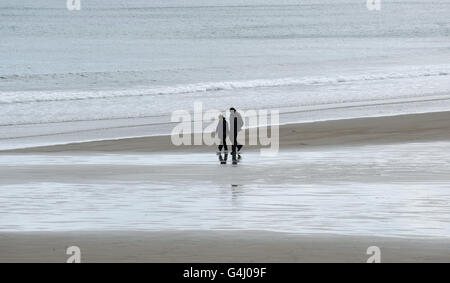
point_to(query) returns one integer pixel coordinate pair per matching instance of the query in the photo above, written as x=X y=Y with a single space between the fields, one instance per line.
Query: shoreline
x=421 y=127
x=214 y=246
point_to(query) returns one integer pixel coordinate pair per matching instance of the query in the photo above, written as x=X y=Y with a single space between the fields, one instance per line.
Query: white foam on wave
x=44 y=96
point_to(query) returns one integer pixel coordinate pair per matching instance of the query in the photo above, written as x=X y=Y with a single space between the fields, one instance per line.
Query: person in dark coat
x=222 y=132
x=236 y=124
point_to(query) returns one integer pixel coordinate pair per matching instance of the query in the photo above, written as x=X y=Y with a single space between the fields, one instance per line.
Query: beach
x=383 y=179
x=215 y=246
x=375 y=130
x=90 y=100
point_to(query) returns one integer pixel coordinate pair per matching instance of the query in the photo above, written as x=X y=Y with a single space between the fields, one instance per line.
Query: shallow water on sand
x=380 y=190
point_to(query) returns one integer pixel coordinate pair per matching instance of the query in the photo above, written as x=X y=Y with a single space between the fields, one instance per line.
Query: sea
x=117 y=69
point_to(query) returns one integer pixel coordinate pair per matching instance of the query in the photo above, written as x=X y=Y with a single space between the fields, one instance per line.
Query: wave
x=44 y=96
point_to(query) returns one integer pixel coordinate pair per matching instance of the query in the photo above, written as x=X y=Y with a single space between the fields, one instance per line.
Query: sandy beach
x=316 y=148
x=376 y=130
x=215 y=246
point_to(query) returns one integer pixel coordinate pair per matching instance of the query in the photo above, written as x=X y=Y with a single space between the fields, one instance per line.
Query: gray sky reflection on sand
x=382 y=190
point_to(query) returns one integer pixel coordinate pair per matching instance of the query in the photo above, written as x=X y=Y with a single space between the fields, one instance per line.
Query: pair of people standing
x=223 y=131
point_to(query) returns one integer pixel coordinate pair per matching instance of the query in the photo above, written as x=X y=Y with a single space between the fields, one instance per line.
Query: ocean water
x=114 y=66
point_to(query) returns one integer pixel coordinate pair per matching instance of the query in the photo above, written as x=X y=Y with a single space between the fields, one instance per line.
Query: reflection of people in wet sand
x=223 y=159
x=222 y=132
x=236 y=124
x=236 y=159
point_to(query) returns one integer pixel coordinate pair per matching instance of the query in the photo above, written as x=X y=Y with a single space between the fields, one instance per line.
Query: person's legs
x=220 y=147
x=224 y=142
x=239 y=146
x=234 y=135
x=236 y=145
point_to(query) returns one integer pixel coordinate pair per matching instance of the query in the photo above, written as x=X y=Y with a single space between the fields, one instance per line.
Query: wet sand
x=249 y=246
x=214 y=246
x=376 y=130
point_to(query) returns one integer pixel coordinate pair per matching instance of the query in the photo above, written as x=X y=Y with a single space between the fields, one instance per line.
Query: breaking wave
x=44 y=96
